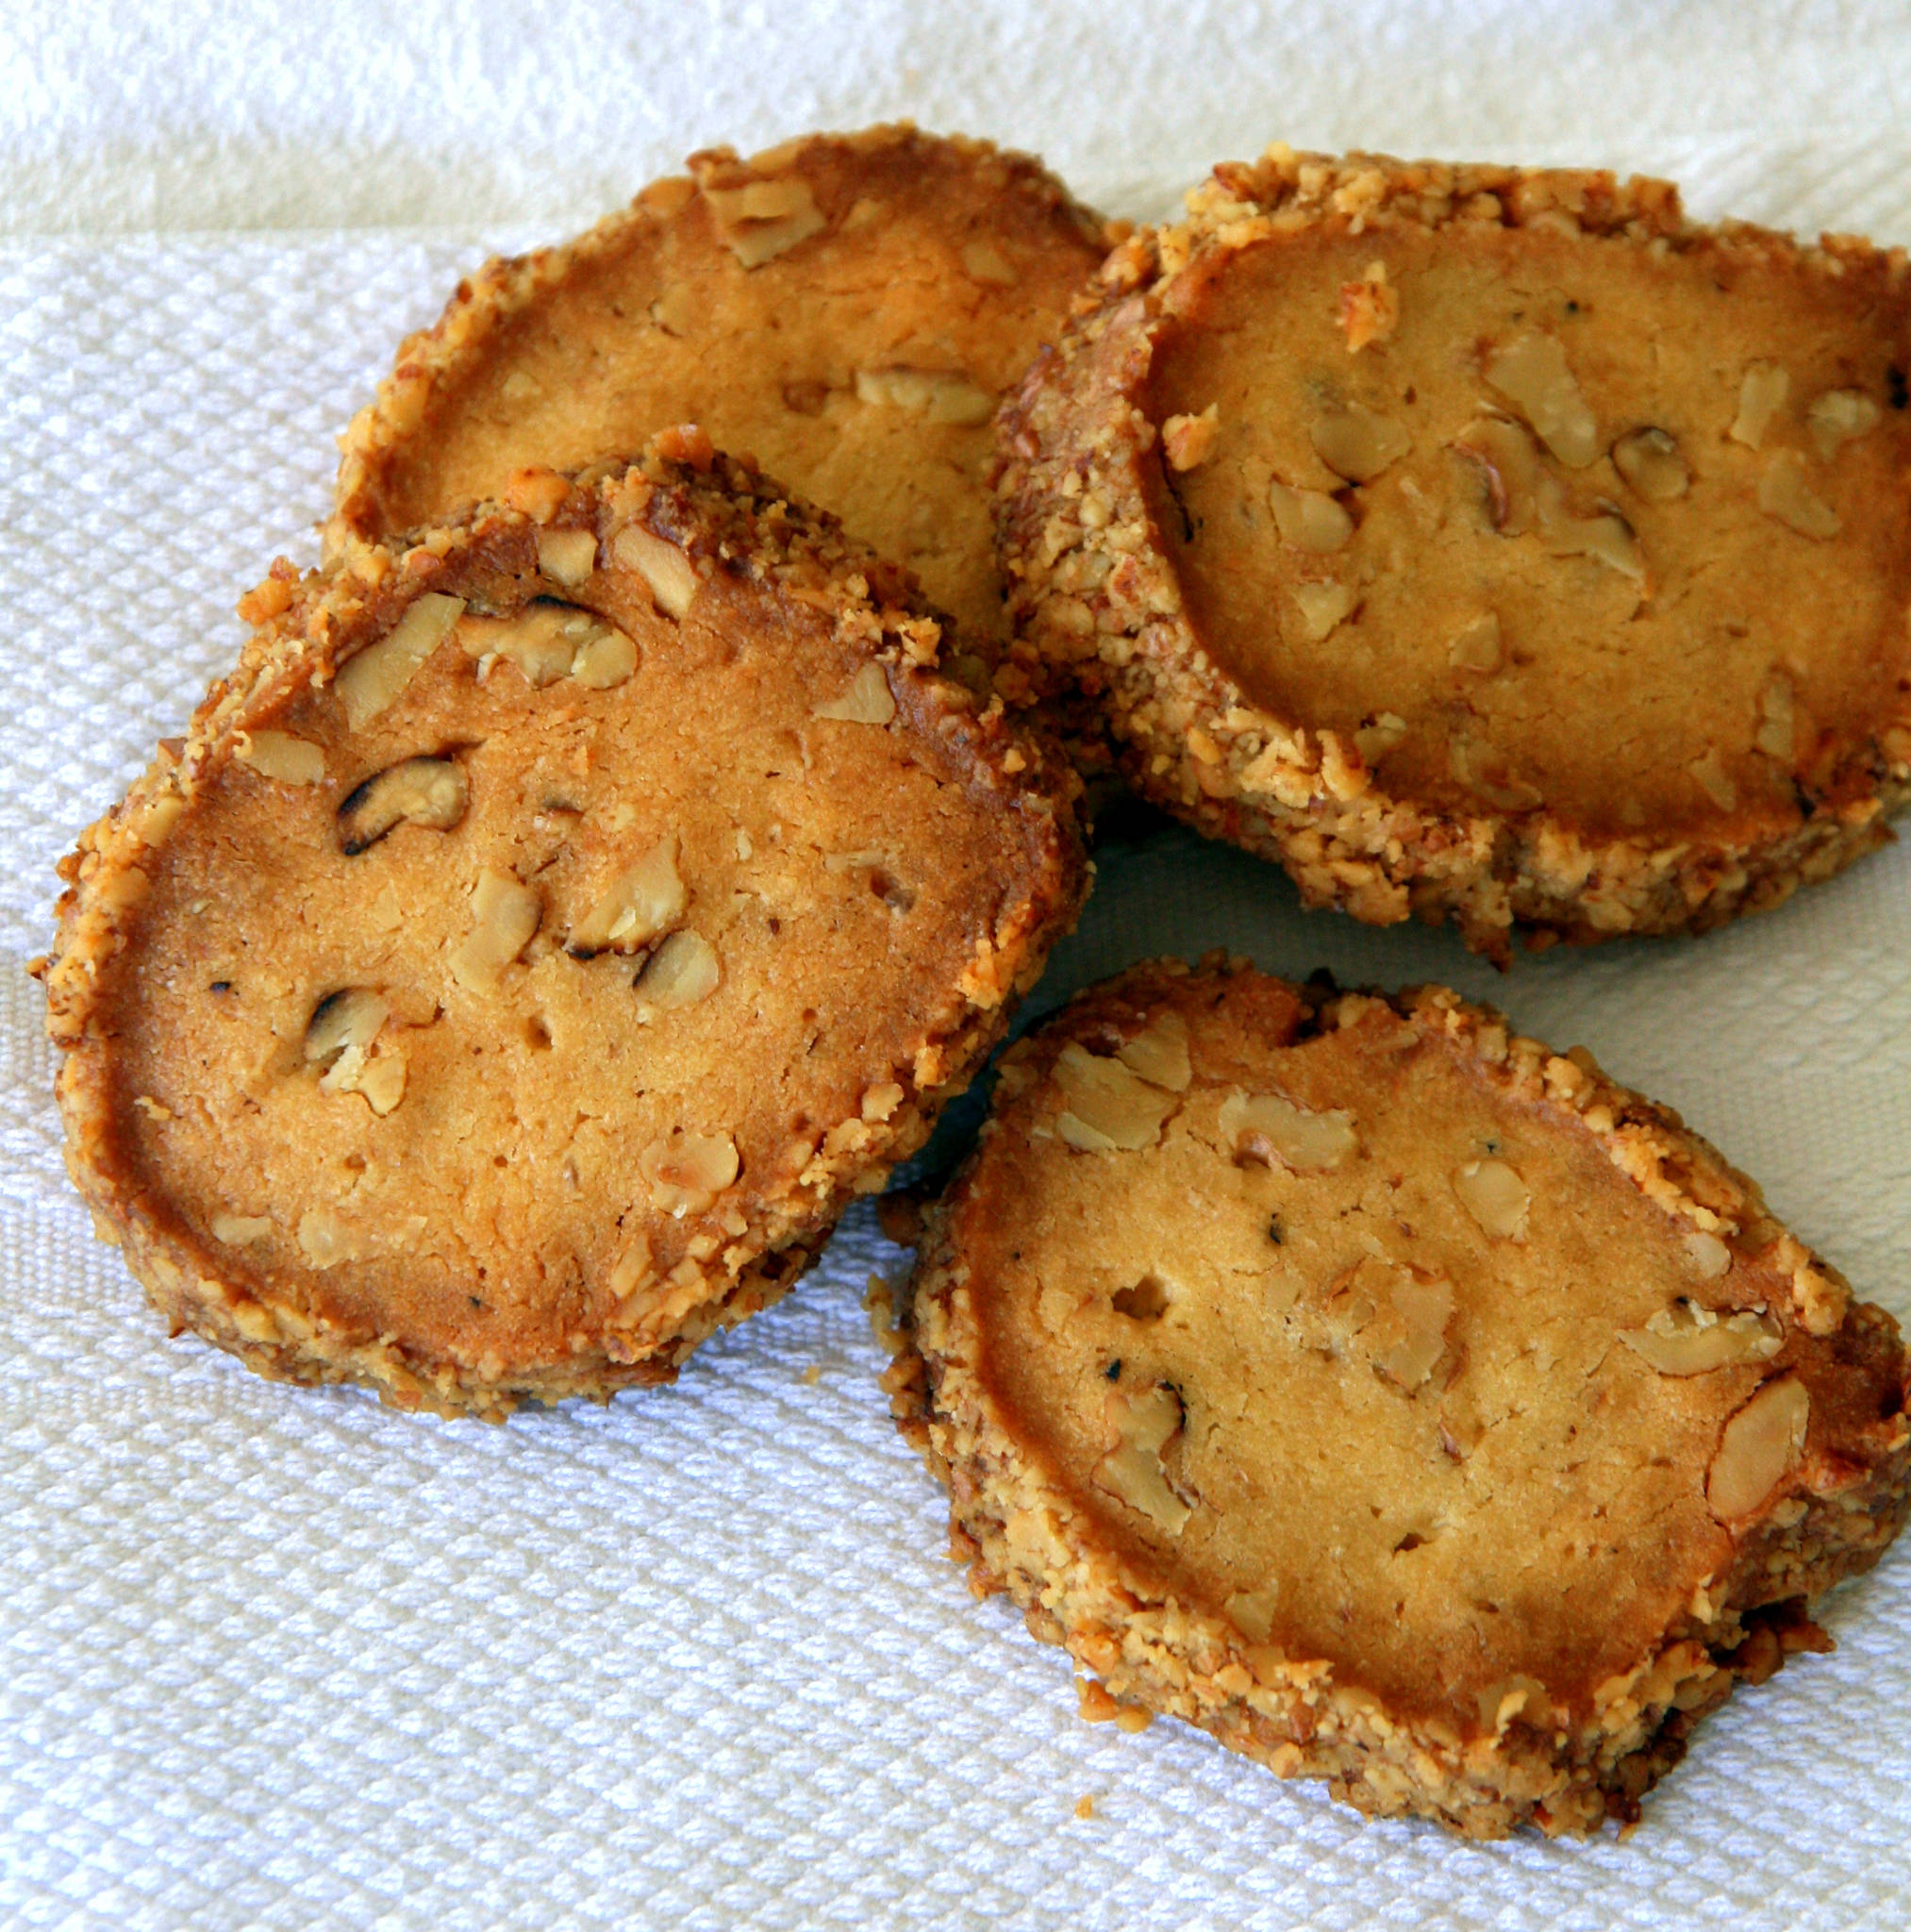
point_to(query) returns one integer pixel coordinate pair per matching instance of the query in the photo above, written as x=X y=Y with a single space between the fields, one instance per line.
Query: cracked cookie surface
x=1483 y=543
x=542 y=935
x=847 y=309
x=1406 y=1404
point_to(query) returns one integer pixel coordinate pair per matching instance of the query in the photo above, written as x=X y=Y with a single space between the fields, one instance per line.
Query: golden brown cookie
x=848 y=309
x=1483 y=543
x=1407 y=1405
x=541 y=938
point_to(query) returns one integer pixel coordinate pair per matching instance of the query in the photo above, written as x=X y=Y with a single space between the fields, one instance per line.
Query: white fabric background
x=283 y=1658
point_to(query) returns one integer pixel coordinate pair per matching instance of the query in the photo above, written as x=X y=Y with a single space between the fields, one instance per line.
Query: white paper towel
x=280 y=1659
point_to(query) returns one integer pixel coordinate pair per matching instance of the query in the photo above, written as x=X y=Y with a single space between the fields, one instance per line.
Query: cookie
x=542 y=935
x=1481 y=543
x=1405 y=1404
x=849 y=308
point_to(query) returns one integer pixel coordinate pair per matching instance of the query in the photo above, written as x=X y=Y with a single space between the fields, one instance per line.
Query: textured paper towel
x=277 y=1657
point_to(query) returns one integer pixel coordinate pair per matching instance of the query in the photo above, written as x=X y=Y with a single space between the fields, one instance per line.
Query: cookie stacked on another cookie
x=544 y=933
x=1483 y=543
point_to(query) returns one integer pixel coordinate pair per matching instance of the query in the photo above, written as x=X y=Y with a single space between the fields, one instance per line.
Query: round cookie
x=1481 y=543
x=1405 y=1404
x=848 y=309
x=543 y=936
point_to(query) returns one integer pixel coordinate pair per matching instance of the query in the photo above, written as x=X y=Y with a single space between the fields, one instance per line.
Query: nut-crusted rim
x=722 y=515
x=1103 y=636
x=483 y=304
x=1022 y=1532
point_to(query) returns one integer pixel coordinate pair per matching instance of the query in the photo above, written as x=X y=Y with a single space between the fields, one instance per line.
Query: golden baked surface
x=542 y=935
x=848 y=310
x=1440 y=498
x=1407 y=1405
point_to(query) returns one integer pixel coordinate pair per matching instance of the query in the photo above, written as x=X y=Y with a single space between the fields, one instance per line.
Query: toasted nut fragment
x=343 y=1020
x=1374 y=739
x=537 y=490
x=325 y=1240
x=641 y=901
x=1511 y=1697
x=1323 y=606
x=1411 y=1334
x=1606 y=538
x=1270 y=1127
x=1496 y=1197
x=369 y=682
x=1106 y=1105
x=1369 y=309
x=1709 y=1254
x=567 y=556
x=1784 y=493
x=605 y=659
x=632 y=1268
x=1715 y=781
x=1509 y=465
x=1159 y=1052
x=985 y=263
x=1142 y=1427
x=1836 y=417
x=1358 y=443
x=240 y=1230
x=546 y=640
x=505 y=915
x=867 y=700
x=1777 y=733
x=1251 y=1611
x=765 y=219
x=432 y=792
x=939 y=395
x=1476 y=647
x=669 y=573
x=1760 y=397
x=1650 y=461
x=279 y=755
x=1759 y=1447
x=1308 y=519
x=685 y=1173
x=1531 y=373
x=681 y=972
x=1690 y=1340
x=1188 y=441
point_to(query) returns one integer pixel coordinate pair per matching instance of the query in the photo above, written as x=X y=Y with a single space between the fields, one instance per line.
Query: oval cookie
x=848 y=309
x=1484 y=544
x=543 y=936
x=1407 y=1405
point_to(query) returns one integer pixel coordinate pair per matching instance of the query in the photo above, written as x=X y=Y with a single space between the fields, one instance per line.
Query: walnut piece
x=867 y=700
x=1836 y=417
x=1530 y=372
x=1308 y=519
x=1760 y=397
x=1493 y=1194
x=567 y=556
x=1606 y=538
x=939 y=394
x=1106 y=1105
x=1142 y=1427
x=641 y=901
x=682 y=971
x=240 y=1230
x=1777 y=732
x=548 y=640
x=1650 y=462
x=431 y=792
x=1476 y=646
x=1370 y=309
x=1784 y=493
x=1409 y=1336
x=1159 y=1052
x=1268 y=1127
x=685 y=1173
x=1688 y=1339
x=370 y=683
x=279 y=755
x=1358 y=443
x=341 y=1037
x=1323 y=606
x=1188 y=441
x=1758 y=1448
x=669 y=573
x=1708 y=769
x=762 y=220
x=505 y=915
x=1509 y=465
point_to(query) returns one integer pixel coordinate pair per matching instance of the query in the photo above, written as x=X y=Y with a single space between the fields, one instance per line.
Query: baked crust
x=1458 y=1519
x=1395 y=762
x=848 y=309
x=495 y=1009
